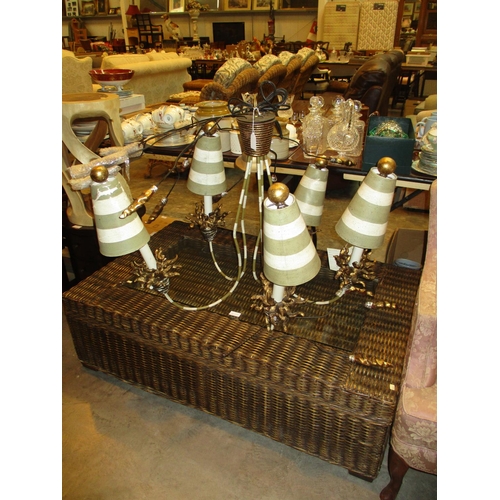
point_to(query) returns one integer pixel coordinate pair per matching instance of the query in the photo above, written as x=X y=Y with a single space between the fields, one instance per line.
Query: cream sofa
x=157 y=75
x=75 y=74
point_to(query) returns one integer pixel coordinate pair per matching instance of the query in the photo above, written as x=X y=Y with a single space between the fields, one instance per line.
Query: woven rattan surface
x=298 y=387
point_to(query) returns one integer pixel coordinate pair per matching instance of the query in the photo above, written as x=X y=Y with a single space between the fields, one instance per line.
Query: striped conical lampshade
x=310 y=194
x=207 y=176
x=290 y=257
x=116 y=236
x=364 y=222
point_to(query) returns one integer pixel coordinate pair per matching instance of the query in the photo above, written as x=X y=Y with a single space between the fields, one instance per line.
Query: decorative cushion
x=229 y=70
x=264 y=63
x=305 y=53
x=161 y=56
x=286 y=57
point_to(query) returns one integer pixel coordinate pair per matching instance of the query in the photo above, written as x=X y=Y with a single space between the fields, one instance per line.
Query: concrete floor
x=121 y=443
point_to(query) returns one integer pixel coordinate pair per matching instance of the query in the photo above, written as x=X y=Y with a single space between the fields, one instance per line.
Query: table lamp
x=289 y=256
x=207 y=178
x=364 y=222
x=117 y=236
x=310 y=193
x=132 y=11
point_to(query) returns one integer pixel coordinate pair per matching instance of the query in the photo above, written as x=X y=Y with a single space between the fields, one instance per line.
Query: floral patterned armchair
x=414 y=433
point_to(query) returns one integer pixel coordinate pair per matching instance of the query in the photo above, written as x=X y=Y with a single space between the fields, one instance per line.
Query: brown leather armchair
x=374 y=81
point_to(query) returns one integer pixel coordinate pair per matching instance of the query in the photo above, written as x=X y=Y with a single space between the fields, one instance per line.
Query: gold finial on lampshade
x=210 y=128
x=99 y=174
x=386 y=166
x=278 y=193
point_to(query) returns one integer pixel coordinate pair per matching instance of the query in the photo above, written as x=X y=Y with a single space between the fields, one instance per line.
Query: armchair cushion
x=265 y=62
x=226 y=74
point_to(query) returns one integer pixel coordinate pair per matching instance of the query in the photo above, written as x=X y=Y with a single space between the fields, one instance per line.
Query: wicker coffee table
x=299 y=388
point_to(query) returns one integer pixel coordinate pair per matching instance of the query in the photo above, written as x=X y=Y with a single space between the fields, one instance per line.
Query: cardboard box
x=409 y=244
x=132 y=103
x=401 y=150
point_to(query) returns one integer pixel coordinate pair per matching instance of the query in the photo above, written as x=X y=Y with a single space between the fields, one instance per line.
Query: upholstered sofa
x=373 y=82
x=75 y=74
x=157 y=75
x=414 y=432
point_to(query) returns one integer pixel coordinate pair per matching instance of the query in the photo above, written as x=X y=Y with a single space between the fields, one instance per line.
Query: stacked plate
x=428 y=160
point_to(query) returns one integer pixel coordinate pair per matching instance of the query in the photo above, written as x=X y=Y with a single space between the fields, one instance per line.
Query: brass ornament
x=379 y=363
x=208 y=224
x=277 y=313
x=352 y=278
x=158 y=279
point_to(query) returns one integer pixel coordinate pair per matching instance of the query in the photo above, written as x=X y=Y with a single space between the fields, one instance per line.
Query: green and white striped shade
x=290 y=257
x=364 y=222
x=310 y=194
x=207 y=176
x=116 y=236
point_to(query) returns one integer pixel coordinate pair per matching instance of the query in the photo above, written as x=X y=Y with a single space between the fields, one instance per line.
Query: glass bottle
x=313 y=128
x=359 y=124
x=343 y=136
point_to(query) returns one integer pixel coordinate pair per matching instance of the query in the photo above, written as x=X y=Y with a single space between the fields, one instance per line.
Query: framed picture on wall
x=88 y=8
x=261 y=4
x=408 y=9
x=237 y=4
x=72 y=8
x=102 y=7
x=176 y=6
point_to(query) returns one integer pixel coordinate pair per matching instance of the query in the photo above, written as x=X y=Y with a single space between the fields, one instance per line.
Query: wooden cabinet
x=427 y=25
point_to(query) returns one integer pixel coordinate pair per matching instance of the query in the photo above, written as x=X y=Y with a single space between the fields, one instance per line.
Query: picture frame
x=176 y=5
x=408 y=8
x=88 y=8
x=111 y=12
x=72 y=8
x=261 y=4
x=237 y=5
x=102 y=7
x=417 y=8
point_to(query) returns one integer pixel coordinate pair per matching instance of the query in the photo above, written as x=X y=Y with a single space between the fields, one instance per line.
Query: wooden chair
x=305 y=73
x=79 y=34
x=150 y=35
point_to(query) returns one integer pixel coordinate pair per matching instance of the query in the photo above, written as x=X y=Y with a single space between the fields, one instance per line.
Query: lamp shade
x=207 y=176
x=132 y=10
x=116 y=236
x=364 y=222
x=290 y=257
x=310 y=194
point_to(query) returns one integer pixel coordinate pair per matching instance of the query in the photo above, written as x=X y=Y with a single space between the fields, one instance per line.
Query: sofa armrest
x=422 y=363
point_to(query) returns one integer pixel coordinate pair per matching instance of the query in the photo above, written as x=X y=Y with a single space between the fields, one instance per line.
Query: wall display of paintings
x=261 y=4
x=176 y=6
x=72 y=8
x=102 y=7
x=153 y=5
x=237 y=4
x=88 y=8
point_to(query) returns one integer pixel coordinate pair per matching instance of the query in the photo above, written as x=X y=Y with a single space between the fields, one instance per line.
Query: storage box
x=409 y=244
x=132 y=103
x=401 y=150
x=418 y=58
